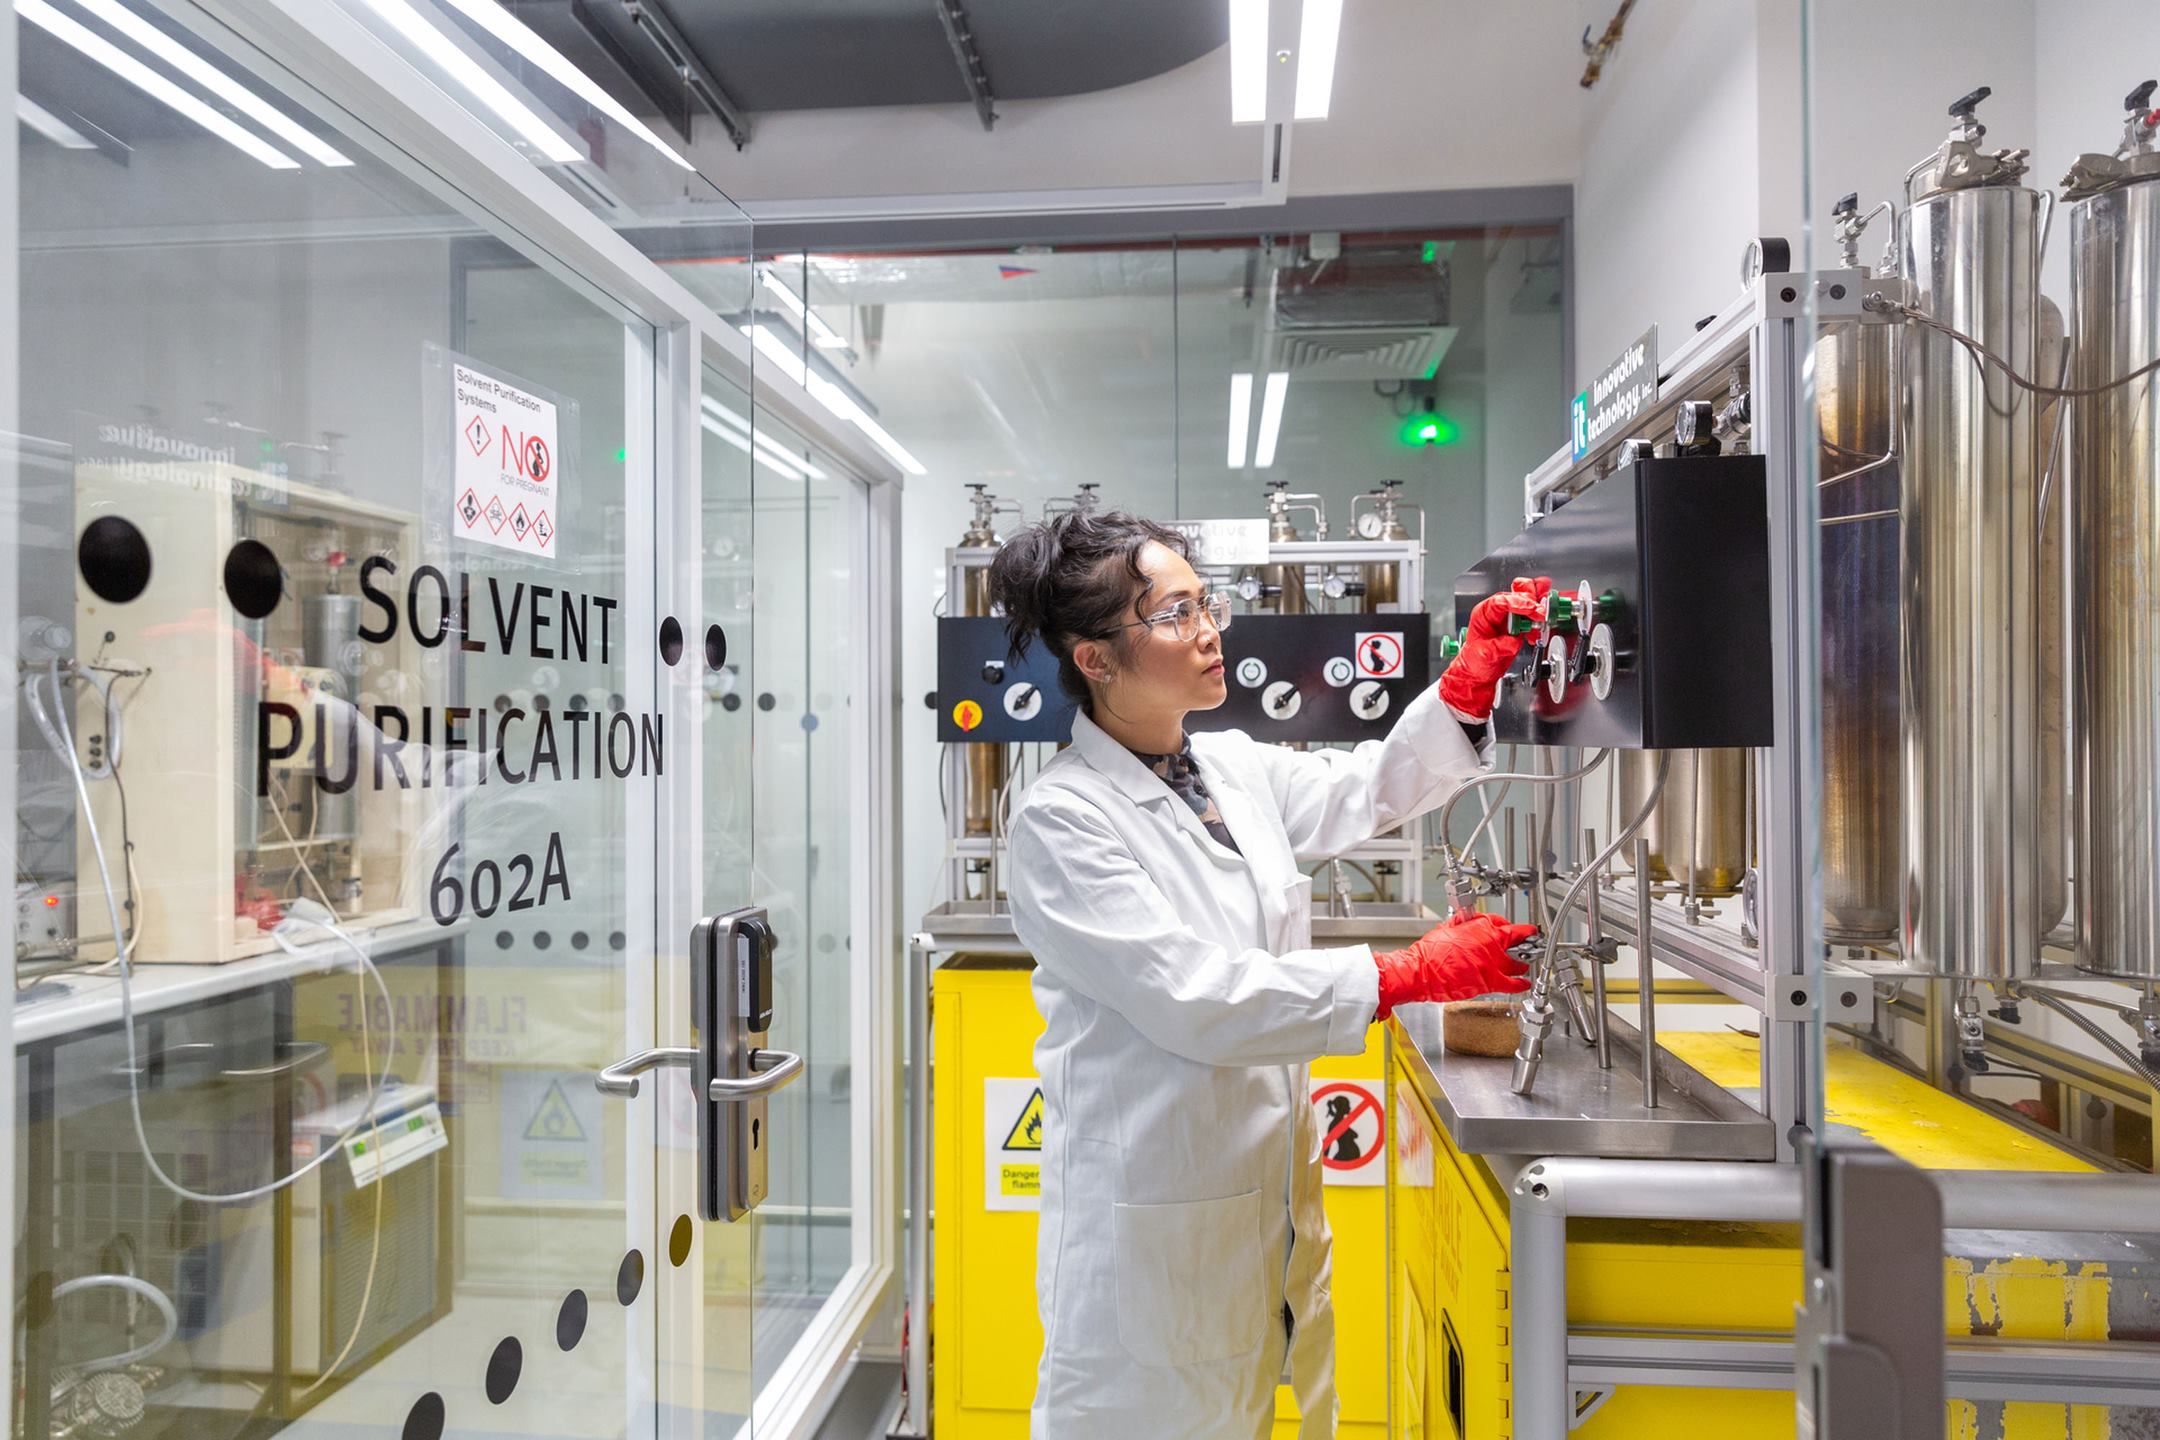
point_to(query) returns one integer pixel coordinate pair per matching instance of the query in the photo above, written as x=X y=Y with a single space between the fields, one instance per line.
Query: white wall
x=1428 y=96
x=1668 y=192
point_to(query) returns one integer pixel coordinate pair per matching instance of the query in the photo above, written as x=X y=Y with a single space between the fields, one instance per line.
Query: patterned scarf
x=1182 y=774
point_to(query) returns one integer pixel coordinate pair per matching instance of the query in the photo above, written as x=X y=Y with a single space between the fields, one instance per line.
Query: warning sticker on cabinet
x=1353 y=1131
x=1012 y=1144
x=503 y=491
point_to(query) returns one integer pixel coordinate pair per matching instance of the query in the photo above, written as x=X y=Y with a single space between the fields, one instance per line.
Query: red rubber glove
x=1456 y=960
x=1488 y=649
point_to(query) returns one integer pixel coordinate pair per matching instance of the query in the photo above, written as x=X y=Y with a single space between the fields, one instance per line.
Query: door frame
x=399 y=116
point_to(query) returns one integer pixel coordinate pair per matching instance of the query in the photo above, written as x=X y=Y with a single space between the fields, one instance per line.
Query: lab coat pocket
x=1191 y=1279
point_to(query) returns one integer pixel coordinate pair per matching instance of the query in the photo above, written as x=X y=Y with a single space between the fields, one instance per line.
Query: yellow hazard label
x=1020 y=1182
x=1026 y=1132
x=967 y=714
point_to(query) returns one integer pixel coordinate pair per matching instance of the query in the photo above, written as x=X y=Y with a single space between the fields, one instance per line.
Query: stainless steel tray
x=1576 y=1108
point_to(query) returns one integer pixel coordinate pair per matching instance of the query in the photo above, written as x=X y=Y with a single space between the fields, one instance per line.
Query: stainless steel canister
x=1699 y=832
x=1972 y=599
x=985 y=763
x=2115 y=323
x=1855 y=376
x=330 y=639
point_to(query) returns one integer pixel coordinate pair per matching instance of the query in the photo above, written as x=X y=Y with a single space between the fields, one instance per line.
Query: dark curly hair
x=1076 y=578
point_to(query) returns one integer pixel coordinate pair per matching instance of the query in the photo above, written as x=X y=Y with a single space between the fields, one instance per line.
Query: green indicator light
x=1430 y=429
x=622 y=453
x=267 y=446
x=1432 y=251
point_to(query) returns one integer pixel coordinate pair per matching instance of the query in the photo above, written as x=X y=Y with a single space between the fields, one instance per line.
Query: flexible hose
x=61 y=738
x=1604 y=857
x=168 y=1317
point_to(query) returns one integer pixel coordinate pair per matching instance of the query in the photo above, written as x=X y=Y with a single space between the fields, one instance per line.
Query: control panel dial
x=1281 y=700
x=1369 y=700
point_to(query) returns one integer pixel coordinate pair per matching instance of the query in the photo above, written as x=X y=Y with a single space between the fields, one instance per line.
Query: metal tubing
x=1508 y=826
x=2093 y=1028
x=1547 y=1192
x=1645 y=986
x=1594 y=917
x=1447 y=814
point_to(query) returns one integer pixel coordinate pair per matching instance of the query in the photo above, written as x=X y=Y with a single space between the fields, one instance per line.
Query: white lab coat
x=1181 y=1193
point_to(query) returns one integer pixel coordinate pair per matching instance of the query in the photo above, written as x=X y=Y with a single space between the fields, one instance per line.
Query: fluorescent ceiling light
x=1248 y=61
x=777 y=462
x=156 y=86
x=831 y=396
x=468 y=72
x=714 y=410
x=775 y=349
x=837 y=400
x=822 y=335
x=1278 y=385
x=49 y=125
x=493 y=18
x=1240 y=417
x=1319 y=27
x=216 y=81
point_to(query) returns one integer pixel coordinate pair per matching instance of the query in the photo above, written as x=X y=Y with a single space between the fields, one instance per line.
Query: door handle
x=770 y=1070
x=620 y=1078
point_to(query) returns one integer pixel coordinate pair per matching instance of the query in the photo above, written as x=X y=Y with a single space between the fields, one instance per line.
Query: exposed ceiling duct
x=737 y=59
x=1369 y=313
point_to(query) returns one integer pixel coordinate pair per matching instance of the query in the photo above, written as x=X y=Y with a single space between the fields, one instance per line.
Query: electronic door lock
x=731 y=996
x=732 y=1073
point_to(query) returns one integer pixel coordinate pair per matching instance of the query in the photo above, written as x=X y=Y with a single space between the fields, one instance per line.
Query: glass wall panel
x=333 y=715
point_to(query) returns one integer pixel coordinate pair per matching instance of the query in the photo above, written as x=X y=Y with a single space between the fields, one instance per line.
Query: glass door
x=345 y=726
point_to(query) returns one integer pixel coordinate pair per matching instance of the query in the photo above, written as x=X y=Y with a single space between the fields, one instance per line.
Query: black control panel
x=1658 y=633
x=1314 y=678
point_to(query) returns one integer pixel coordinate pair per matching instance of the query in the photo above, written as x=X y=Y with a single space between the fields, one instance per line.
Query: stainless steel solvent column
x=2115 y=323
x=1971 y=583
x=1856 y=405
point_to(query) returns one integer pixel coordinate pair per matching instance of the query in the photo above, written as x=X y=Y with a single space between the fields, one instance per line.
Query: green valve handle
x=1451 y=645
x=1520 y=624
x=1560 y=611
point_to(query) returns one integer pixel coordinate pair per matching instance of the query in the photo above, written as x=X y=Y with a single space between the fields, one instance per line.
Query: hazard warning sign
x=1379 y=654
x=1353 y=1132
x=1012 y=1144
x=551 y=1136
x=505 y=474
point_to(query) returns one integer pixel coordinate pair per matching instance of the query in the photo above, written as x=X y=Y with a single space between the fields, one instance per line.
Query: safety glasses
x=1183 y=618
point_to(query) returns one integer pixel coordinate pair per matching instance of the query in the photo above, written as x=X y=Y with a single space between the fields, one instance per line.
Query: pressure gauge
x=1369 y=700
x=1023 y=701
x=1556 y=668
x=1334 y=587
x=1249 y=588
x=1252 y=672
x=1370 y=526
x=1281 y=700
x=1599 y=660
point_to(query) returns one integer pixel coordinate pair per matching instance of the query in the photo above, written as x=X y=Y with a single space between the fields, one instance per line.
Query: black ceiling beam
x=969 y=59
x=682 y=57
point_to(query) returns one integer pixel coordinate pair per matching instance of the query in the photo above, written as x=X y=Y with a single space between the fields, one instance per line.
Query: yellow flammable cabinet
x=985 y=1334
x=1449 y=1342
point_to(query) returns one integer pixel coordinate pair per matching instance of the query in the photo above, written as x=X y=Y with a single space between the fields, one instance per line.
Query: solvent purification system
x=1928 y=658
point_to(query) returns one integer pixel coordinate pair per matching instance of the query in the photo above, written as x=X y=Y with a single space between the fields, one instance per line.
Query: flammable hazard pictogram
x=520 y=522
x=1027 y=1131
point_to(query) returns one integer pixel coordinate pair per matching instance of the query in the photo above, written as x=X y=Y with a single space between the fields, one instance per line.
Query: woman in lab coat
x=1183 y=1265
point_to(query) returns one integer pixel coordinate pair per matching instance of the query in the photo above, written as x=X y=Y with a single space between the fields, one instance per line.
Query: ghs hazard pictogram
x=1027 y=1131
